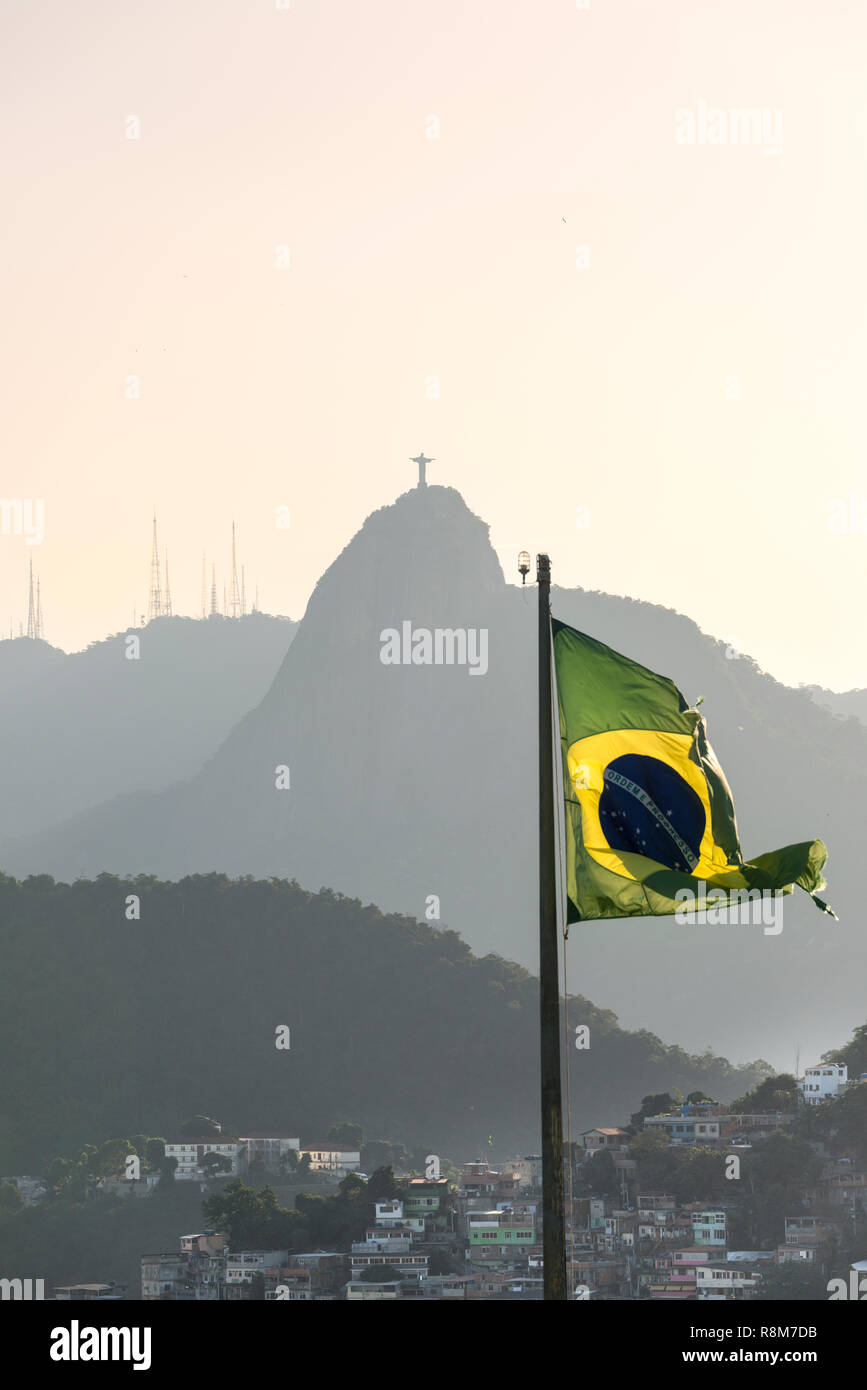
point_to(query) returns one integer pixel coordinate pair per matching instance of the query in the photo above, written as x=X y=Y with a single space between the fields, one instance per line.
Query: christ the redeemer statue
x=422 y=462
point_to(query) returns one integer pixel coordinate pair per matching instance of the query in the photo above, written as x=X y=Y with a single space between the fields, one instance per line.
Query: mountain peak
x=425 y=542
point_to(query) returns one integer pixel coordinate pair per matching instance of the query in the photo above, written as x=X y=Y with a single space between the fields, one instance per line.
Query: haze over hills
x=848 y=704
x=80 y=728
x=414 y=780
x=391 y=1022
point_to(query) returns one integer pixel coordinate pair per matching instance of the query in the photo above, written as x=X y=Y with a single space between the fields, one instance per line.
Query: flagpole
x=553 y=1223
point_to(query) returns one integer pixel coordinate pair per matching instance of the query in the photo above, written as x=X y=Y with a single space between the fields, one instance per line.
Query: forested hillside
x=111 y=1025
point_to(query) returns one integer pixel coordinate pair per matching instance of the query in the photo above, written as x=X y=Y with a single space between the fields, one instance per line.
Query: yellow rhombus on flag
x=649 y=813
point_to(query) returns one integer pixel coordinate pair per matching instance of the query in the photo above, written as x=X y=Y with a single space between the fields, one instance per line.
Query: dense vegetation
x=115 y=1025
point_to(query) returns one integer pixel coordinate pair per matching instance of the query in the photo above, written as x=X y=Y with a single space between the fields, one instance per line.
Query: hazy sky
x=694 y=379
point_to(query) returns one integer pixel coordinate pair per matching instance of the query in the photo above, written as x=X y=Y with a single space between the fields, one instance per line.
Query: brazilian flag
x=648 y=808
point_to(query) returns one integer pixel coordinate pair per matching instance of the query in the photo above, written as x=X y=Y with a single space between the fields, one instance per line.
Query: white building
x=824 y=1082
x=190 y=1153
x=358 y=1292
x=269 y=1148
x=365 y=1256
x=389 y=1247
x=682 y=1129
x=325 y=1158
x=391 y=1214
x=383 y=1242
x=725 y=1281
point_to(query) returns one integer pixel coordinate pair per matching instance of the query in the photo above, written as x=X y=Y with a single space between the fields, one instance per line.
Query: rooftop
x=211 y=1141
x=327 y=1148
x=68 y=1288
x=270 y=1134
x=309 y=1254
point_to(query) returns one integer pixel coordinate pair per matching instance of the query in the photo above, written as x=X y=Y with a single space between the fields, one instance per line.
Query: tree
x=693 y=1173
x=774 y=1175
x=774 y=1093
x=852 y=1055
x=844 y=1121
x=216 y=1163
x=781 y=1161
x=335 y=1222
x=381 y=1185
x=656 y=1162
x=78 y=1188
x=167 y=1168
x=698 y=1098
x=349 y=1134
x=69 y=1180
x=441 y=1263
x=380 y=1153
x=110 y=1157
x=252 y=1218
x=199 y=1127
x=598 y=1176
x=699 y=1174
x=10 y=1197
x=154 y=1153
x=353 y=1188
x=659 y=1104
x=376 y=1154
x=57 y=1174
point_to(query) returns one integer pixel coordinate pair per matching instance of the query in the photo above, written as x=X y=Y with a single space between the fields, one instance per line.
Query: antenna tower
x=32 y=619
x=155 y=598
x=235 y=604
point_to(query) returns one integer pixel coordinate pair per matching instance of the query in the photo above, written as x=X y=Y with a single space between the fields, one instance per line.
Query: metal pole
x=553 y=1223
